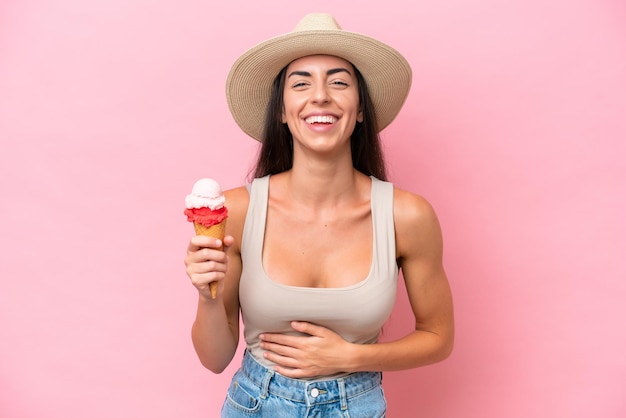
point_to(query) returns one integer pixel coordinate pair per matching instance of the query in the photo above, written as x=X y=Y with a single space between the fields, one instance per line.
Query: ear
x=283 y=117
x=359 y=117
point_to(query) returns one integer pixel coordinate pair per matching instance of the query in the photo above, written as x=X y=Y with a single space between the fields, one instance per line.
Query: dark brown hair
x=276 y=153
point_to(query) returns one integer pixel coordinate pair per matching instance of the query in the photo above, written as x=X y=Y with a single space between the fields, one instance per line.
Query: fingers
x=307 y=328
x=318 y=351
x=276 y=352
x=203 y=248
x=205 y=262
x=283 y=356
x=285 y=365
x=198 y=242
x=228 y=241
x=290 y=361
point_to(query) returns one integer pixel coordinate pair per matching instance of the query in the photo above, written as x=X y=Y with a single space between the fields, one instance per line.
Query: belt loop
x=343 y=401
x=265 y=384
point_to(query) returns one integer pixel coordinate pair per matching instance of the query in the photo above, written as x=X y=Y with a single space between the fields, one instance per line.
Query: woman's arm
x=215 y=331
x=420 y=247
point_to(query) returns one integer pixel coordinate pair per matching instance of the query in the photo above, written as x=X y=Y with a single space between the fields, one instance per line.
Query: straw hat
x=249 y=83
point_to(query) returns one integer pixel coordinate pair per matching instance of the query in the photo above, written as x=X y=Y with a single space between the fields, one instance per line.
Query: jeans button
x=315 y=392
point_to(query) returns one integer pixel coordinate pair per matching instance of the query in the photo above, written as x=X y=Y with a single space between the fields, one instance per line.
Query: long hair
x=276 y=153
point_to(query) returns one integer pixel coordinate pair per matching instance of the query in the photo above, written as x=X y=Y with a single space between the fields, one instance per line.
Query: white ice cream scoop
x=206 y=193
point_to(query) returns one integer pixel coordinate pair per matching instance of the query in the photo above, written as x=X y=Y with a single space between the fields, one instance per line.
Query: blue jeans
x=256 y=391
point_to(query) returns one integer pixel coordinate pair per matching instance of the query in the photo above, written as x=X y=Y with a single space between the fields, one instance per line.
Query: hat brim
x=249 y=83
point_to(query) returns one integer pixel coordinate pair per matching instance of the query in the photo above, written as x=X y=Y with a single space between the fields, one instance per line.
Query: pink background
x=515 y=130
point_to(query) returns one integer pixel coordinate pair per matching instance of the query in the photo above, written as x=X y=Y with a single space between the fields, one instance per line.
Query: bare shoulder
x=416 y=224
x=237 y=200
x=411 y=210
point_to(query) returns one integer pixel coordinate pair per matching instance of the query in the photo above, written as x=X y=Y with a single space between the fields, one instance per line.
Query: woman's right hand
x=206 y=262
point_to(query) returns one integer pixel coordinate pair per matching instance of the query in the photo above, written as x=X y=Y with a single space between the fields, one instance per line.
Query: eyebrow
x=329 y=72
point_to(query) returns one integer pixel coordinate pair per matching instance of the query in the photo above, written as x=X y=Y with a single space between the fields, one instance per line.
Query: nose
x=319 y=94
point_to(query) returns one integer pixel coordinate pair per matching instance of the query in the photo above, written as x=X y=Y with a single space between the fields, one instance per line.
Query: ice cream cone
x=205 y=208
x=215 y=231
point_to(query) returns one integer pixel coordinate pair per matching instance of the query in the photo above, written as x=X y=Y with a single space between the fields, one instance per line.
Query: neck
x=320 y=180
x=318 y=186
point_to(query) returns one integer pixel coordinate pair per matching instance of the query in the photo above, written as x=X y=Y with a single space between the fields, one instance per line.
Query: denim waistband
x=314 y=391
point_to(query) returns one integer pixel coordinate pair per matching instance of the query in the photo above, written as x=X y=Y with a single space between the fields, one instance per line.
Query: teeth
x=321 y=119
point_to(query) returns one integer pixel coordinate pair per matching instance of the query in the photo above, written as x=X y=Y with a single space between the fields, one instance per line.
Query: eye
x=339 y=83
x=299 y=84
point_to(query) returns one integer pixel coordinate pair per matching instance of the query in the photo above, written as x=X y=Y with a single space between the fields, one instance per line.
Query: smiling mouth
x=321 y=119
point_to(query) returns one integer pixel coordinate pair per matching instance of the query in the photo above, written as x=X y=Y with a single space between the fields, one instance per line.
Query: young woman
x=314 y=245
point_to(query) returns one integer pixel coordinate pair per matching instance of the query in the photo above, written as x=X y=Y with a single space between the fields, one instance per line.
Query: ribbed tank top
x=355 y=312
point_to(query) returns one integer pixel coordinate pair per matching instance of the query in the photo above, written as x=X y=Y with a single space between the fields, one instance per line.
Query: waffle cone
x=215 y=231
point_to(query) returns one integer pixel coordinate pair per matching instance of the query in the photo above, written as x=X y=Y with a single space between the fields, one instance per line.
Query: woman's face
x=321 y=101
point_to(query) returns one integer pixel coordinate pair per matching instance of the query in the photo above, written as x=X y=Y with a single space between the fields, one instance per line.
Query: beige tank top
x=356 y=312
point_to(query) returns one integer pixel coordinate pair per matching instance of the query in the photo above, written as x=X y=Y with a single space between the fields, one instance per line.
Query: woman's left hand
x=320 y=352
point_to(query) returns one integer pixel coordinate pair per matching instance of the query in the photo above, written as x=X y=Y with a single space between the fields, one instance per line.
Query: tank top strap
x=254 y=226
x=384 y=231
